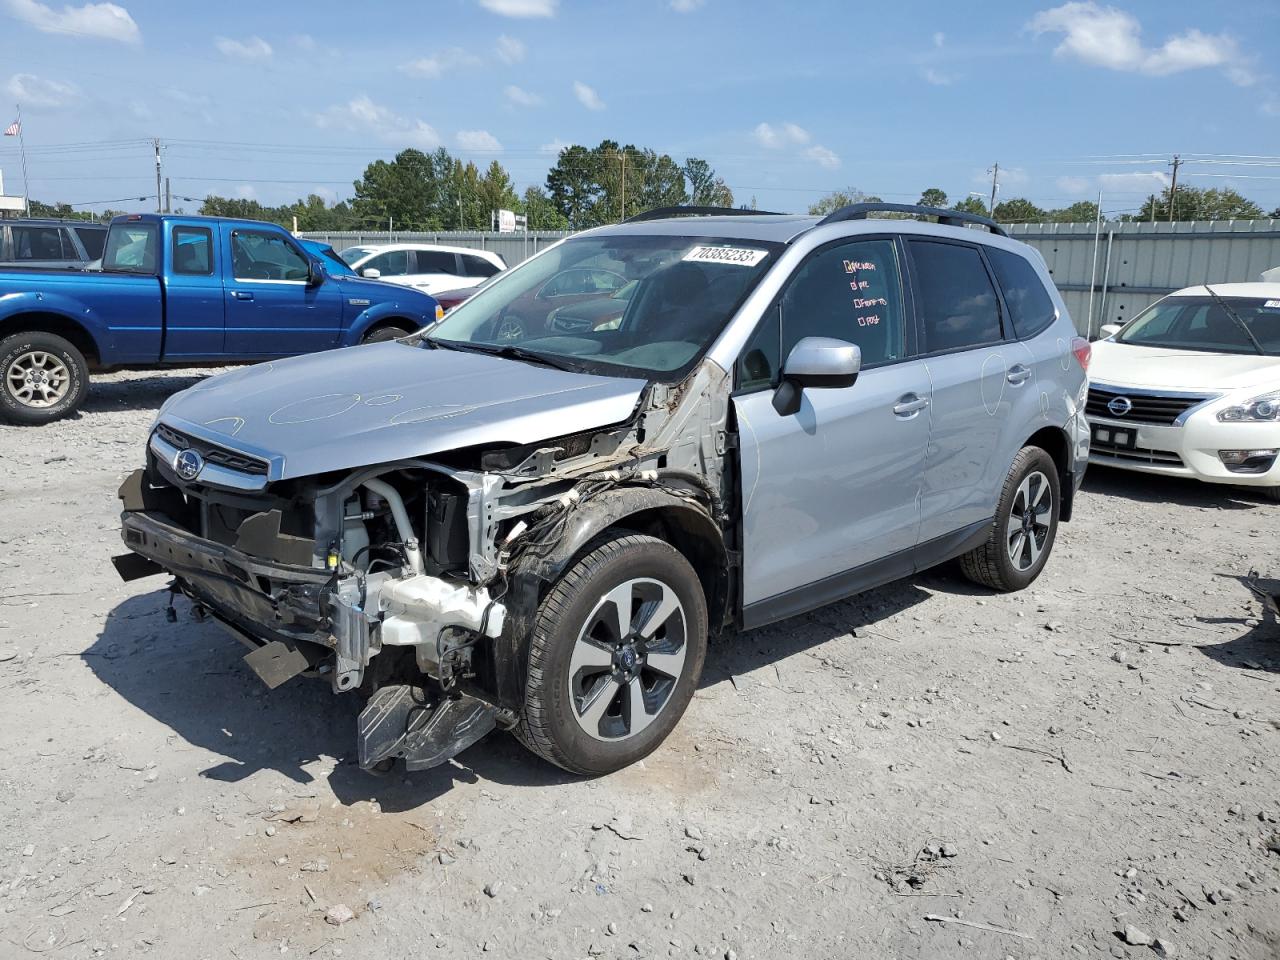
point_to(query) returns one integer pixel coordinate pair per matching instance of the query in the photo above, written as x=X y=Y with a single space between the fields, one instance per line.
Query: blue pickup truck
x=180 y=291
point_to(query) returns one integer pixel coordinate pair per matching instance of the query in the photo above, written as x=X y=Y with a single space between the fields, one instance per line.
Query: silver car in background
x=538 y=531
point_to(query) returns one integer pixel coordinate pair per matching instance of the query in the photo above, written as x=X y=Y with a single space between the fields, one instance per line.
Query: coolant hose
x=401 y=516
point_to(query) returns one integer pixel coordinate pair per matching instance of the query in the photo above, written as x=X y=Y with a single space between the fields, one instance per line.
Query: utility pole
x=1173 y=185
x=995 y=187
x=168 y=197
x=159 y=196
x=624 y=184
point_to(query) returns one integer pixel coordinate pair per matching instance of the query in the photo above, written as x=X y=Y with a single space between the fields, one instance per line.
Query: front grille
x=1147 y=408
x=1160 y=458
x=212 y=453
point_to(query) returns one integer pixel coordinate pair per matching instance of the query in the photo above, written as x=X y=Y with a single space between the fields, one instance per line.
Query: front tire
x=384 y=333
x=43 y=378
x=615 y=654
x=1025 y=527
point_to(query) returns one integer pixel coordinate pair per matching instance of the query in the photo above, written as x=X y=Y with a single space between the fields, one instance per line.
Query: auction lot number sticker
x=735 y=256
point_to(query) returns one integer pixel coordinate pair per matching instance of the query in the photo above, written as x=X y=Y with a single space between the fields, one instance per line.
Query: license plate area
x=1117 y=438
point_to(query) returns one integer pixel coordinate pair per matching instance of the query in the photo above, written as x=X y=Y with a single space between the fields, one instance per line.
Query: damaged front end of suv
x=398 y=518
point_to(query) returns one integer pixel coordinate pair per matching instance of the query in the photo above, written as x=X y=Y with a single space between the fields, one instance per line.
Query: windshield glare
x=1201 y=323
x=131 y=248
x=646 y=304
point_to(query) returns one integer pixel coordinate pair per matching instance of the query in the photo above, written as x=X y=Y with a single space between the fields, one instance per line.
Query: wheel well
x=699 y=541
x=56 y=324
x=1053 y=441
x=400 y=323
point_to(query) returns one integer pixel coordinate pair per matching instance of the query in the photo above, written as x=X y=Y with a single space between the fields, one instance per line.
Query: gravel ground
x=1052 y=772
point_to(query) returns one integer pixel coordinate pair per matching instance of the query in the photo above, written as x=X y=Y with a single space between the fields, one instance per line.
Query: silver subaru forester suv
x=532 y=514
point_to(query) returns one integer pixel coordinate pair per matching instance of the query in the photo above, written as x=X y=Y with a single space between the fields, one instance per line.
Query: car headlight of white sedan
x=1265 y=408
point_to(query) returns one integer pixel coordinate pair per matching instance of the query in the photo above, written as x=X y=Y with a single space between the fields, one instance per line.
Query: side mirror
x=371 y=273
x=818 y=362
x=1110 y=330
x=315 y=274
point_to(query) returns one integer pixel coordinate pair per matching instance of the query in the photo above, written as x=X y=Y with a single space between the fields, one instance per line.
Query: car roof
x=770 y=228
x=439 y=247
x=1258 y=290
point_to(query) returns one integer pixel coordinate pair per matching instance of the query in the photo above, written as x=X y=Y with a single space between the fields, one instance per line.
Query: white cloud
x=1073 y=185
x=939 y=39
x=140 y=111
x=1144 y=181
x=39 y=92
x=937 y=77
x=105 y=21
x=187 y=99
x=362 y=115
x=478 y=141
x=1112 y=38
x=246 y=192
x=520 y=97
x=586 y=96
x=686 y=6
x=554 y=147
x=251 y=48
x=788 y=134
x=304 y=41
x=521 y=8
x=822 y=156
x=510 y=50
x=428 y=68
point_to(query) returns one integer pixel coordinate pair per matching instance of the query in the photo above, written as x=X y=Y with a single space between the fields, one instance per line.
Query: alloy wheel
x=1030 y=515
x=38 y=379
x=627 y=660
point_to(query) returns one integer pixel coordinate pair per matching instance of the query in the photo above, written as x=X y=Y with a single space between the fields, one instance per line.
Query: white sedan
x=426 y=267
x=1191 y=388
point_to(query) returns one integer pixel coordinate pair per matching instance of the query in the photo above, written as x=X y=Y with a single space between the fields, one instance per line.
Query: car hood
x=1159 y=368
x=360 y=406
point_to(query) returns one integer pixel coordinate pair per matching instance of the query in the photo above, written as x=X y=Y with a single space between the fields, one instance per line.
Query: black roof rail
x=950 y=218
x=662 y=213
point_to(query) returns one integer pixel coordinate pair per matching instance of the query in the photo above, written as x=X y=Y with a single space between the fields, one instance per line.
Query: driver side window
x=257 y=255
x=392 y=264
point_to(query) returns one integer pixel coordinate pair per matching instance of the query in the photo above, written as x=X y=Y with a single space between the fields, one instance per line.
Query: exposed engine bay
x=414 y=582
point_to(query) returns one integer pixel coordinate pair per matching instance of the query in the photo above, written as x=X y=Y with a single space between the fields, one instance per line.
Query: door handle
x=1018 y=374
x=909 y=405
x=242 y=294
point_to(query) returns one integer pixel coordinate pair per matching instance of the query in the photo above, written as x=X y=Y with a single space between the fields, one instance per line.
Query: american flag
x=13 y=129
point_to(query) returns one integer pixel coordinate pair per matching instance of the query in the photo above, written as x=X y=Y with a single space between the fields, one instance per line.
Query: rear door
x=971 y=369
x=438 y=270
x=271 y=311
x=835 y=487
x=477 y=269
x=394 y=266
x=194 y=301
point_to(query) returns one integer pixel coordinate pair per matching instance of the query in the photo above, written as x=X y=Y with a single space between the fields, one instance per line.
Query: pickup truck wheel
x=384 y=333
x=1025 y=527
x=615 y=654
x=42 y=378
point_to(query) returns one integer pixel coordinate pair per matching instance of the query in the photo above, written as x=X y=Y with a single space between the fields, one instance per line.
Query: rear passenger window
x=956 y=303
x=192 y=251
x=437 y=261
x=39 y=243
x=1030 y=307
x=474 y=266
x=93 y=239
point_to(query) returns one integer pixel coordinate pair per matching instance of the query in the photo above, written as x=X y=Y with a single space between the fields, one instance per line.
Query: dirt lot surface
x=1044 y=770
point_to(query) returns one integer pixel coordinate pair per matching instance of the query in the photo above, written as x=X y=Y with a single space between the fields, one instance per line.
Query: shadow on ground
x=189 y=676
x=1258 y=647
x=1148 y=488
x=136 y=393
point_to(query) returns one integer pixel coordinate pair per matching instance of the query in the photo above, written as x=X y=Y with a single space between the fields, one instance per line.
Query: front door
x=271 y=309
x=835 y=487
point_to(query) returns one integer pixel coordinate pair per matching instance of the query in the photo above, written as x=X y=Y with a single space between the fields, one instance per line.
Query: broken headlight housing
x=1264 y=409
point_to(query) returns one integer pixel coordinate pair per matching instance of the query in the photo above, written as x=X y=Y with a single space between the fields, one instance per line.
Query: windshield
x=647 y=305
x=1201 y=323
x=131 y=248
x=352 y=254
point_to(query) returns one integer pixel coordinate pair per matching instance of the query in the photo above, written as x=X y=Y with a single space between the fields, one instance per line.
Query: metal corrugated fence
x=1106 y=273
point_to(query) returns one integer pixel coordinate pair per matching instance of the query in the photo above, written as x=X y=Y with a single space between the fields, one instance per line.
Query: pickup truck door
x=271 y=309
x=830 y=494
x=194 y=310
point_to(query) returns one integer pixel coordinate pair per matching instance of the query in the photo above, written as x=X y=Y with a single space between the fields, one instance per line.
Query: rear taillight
x=1083 y=351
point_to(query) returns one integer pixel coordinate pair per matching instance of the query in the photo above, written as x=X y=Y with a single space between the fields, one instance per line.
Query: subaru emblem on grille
x=1119 y=406
x=188 y=464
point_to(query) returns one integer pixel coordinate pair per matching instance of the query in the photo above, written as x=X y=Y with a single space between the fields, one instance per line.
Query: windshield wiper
x=513 y=353
x=1238 y=319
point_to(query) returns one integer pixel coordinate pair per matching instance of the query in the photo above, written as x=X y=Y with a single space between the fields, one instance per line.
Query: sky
x=787 y=101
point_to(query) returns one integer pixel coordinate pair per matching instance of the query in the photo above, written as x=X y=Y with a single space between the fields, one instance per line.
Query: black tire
x=385 y=332
x=550 y=725
x=1271 y=493
x=52 y=353
x=993 y=564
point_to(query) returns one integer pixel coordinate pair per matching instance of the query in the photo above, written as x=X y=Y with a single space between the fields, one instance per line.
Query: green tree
x=404 y=191
x=60 y=211
x=1019 y=210
x=573 y=185
x=1082 y=211
x=496 y=190
x=933 y=197
x=833 y=201
x=972 y=205
x=705 y=188
x=541 y=212
x=610 y=182
x=1200 y=203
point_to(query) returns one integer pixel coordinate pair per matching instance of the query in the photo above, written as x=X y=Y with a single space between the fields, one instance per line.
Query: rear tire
x=615 y=654
x=1025 y=527
x=43 y=378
